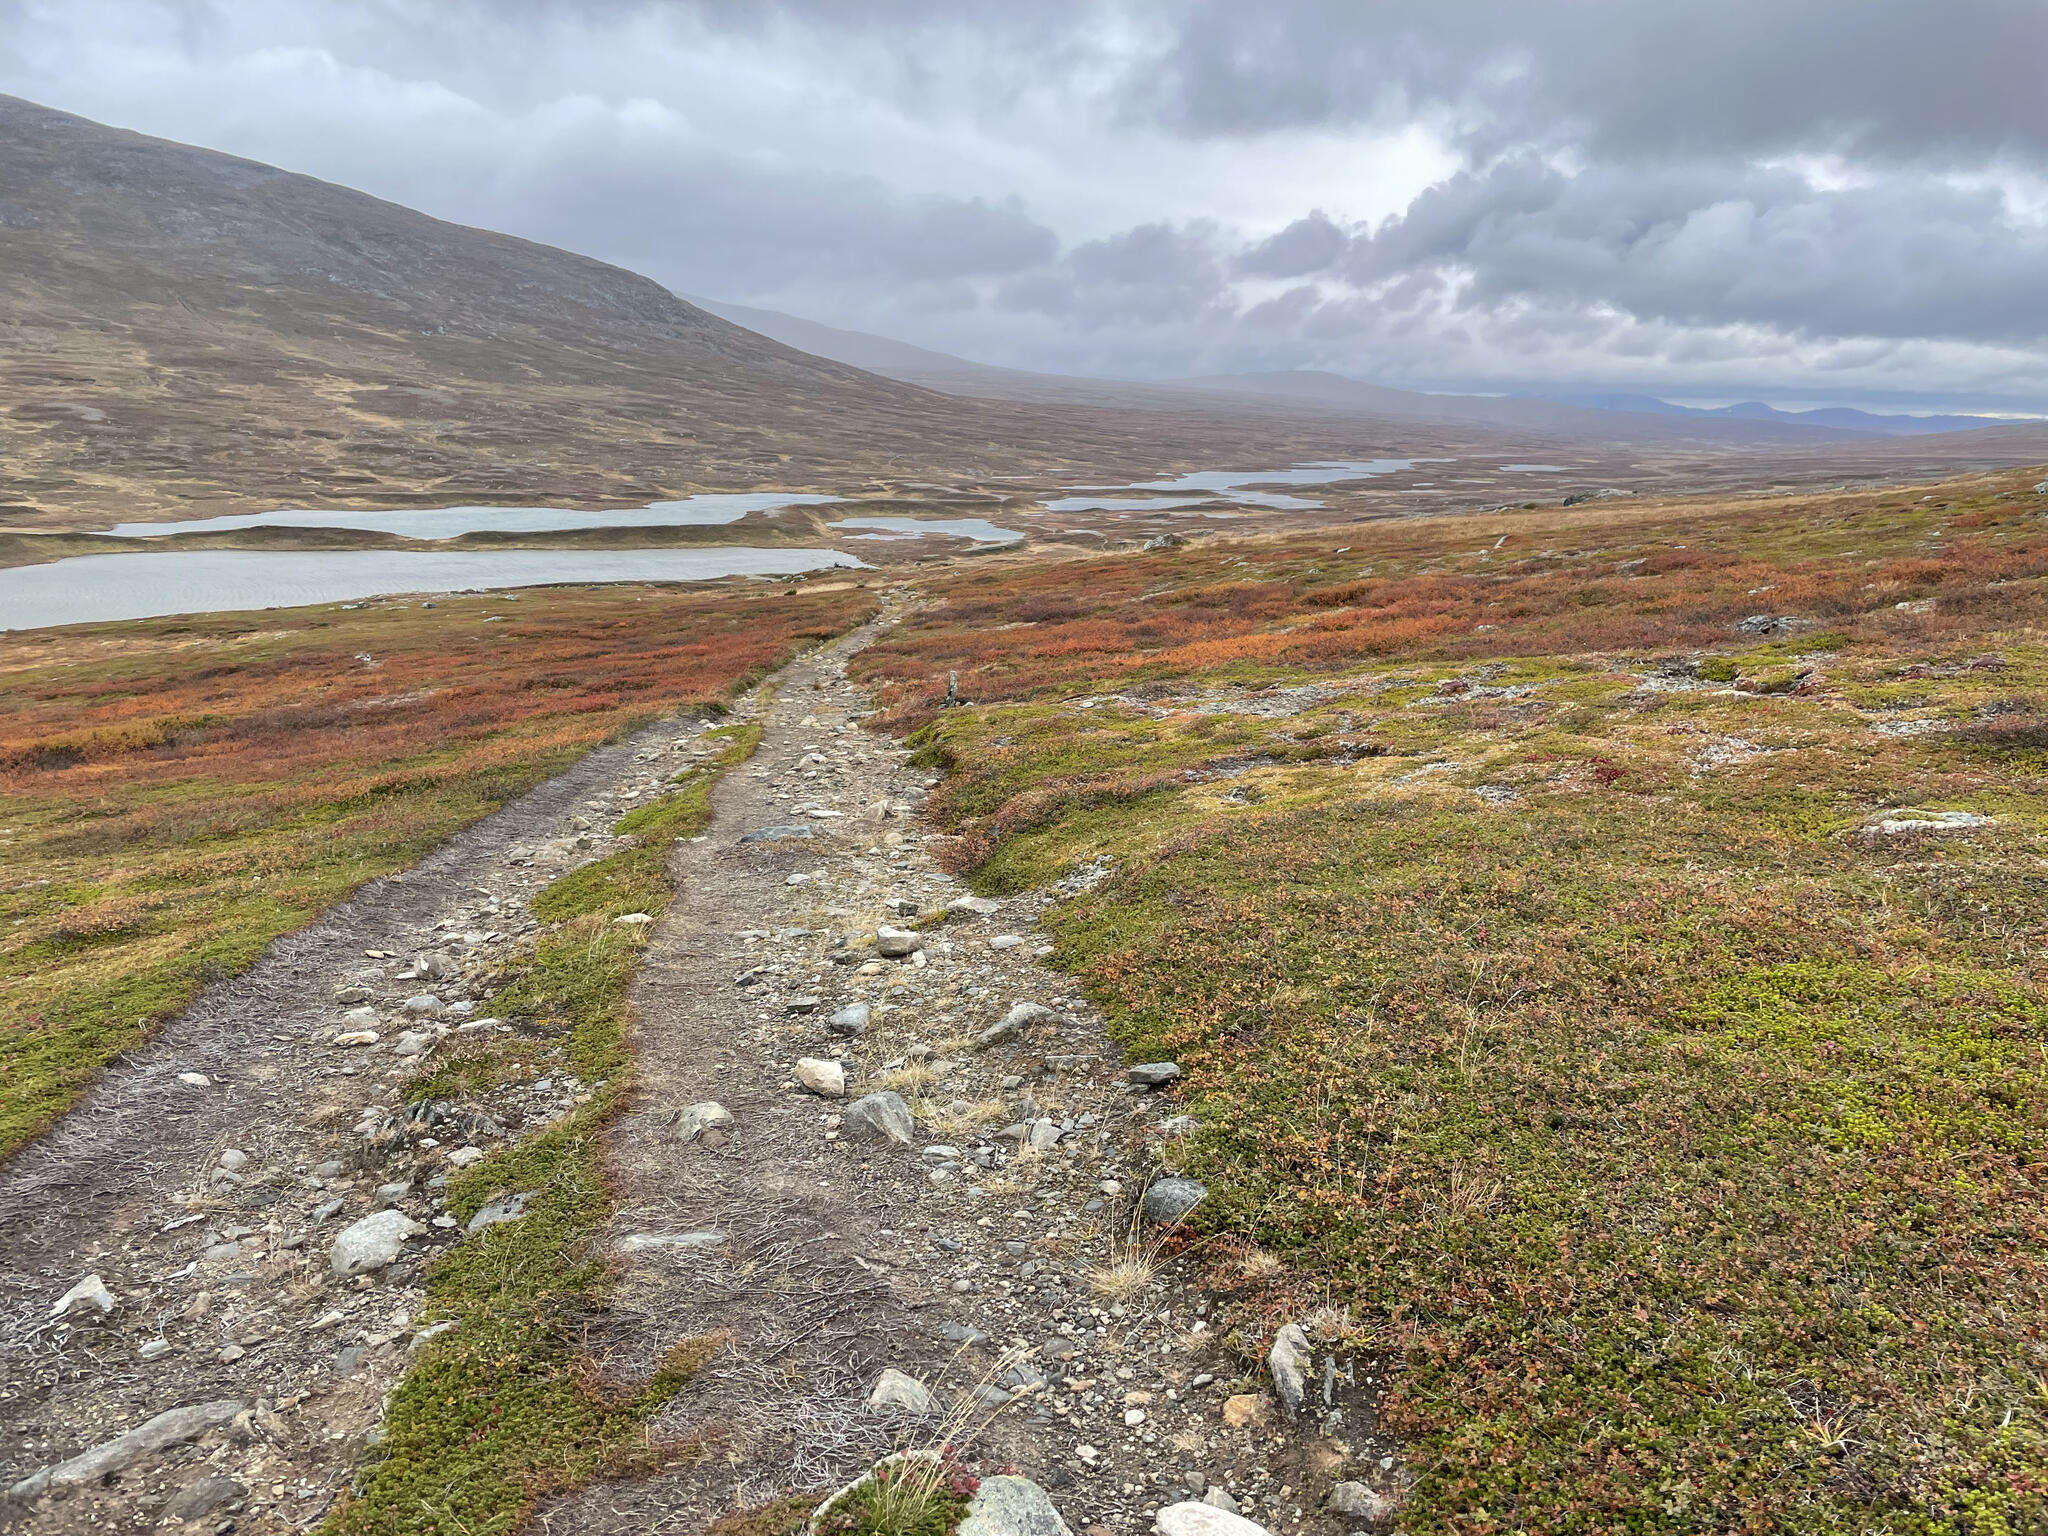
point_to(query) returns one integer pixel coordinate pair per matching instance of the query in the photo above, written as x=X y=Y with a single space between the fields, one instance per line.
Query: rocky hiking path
x=878 y=1149
x=892 y=1156
x=172 y=1310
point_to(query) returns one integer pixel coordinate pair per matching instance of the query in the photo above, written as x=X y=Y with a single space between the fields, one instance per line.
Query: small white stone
x=357 y=1037
x=822 y=1077
x=1005 y=941
x=89 y=1297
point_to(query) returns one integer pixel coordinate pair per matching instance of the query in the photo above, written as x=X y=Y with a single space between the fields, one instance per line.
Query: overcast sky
x=1812 y=201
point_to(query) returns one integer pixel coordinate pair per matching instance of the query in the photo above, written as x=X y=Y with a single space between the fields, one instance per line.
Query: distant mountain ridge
x=1295 y=390
x=1840 y=418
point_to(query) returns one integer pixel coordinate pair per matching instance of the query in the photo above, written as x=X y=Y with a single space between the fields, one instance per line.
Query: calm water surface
x=92 y=588
x=448 y=522
x=1227 y=482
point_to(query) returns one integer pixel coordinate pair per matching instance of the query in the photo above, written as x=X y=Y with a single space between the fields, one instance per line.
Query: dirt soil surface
x=995 y=1255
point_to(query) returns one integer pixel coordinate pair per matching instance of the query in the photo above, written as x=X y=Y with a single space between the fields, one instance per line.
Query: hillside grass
x=506 y=1408
x=1550 y=1004
x=175 y=794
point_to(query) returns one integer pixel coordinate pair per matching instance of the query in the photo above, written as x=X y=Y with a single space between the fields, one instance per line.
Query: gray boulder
x=125 y=1450
x=879 y=1116
x=203 y=1497
x=1007 y=1505
x=1361 y=1502
x=851 y=1020
x=372 y=1243
x=1152 y=1074
x=1289 y=1361
x=1170 y=1200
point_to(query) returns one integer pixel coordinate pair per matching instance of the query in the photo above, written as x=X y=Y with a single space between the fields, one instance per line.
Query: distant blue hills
x=1841 y=418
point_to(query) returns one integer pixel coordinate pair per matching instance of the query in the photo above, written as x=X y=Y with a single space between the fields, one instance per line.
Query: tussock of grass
x=1681 y=1136
x=505 y=1408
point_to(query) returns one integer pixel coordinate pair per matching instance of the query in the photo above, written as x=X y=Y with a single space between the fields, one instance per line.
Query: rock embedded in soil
x=1361 y=1502
x=88 y=1299
x=1193 y=1519
x=852 y=1020
x=203 y=1497
x=123 y=1451
x=372 y=1242
x=706 y=1119
x=498 y=1212
x=1008 y=1505
x=1247 y=1410
x=896 y=943
x=879 y=1116
x=1170 y=1200
x=825 y=1078
x=896 y=1392
x=1289 y=1361
x=1152 y=1074
x=972 y=906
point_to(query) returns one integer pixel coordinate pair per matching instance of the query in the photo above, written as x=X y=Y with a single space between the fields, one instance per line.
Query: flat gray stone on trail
x=372 y=1242
x=776 y=834
x=640 y=1242
x=972 y=906
x=694 y=1120
x=1170 y=1200
x=879 y=1116
x=1151 y=1074
x=1013 y=1024
x=166 y=1429
x=1007 y=1505
x=851 y=1020
x=204 y=1497
x=1192 y=1519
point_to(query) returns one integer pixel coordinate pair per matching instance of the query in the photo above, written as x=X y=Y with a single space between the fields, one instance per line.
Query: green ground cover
x=505 y=1408
x=1557 y=1008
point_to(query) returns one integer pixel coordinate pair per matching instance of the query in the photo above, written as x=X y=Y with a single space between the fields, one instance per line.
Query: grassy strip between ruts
x=1633 y=1057
x=503 y=1408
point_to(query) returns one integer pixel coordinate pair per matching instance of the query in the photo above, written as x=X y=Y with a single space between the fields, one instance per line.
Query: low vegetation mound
x=1603 y=947
x=180 y=792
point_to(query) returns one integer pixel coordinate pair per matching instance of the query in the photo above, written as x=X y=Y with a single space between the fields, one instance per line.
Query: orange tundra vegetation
x=1603 y=951
x=179 y=792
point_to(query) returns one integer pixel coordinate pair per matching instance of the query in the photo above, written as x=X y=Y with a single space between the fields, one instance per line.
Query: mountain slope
x=184 y=332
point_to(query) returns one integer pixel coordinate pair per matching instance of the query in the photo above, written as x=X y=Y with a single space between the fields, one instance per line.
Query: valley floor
x=1591 y=958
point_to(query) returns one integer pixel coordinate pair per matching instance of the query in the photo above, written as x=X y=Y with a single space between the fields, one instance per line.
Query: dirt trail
x=971 y=1258
x=219 y=1276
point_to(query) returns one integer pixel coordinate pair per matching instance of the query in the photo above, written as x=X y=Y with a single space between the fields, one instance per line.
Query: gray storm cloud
x=1836 y=198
